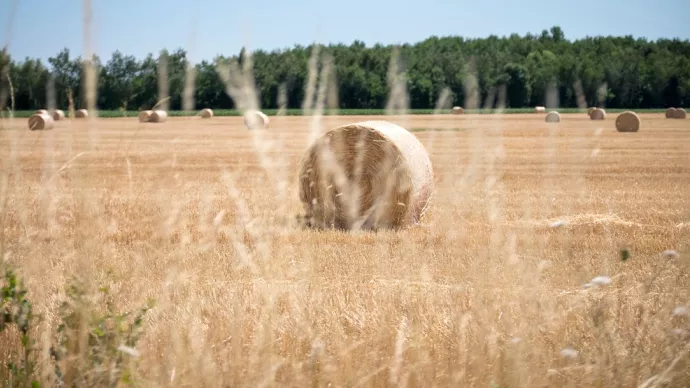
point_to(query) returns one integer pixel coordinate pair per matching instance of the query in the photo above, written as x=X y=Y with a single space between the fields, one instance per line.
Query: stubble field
x=493 y=287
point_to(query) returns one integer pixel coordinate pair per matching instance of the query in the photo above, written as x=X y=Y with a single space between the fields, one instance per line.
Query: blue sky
x=40 y=28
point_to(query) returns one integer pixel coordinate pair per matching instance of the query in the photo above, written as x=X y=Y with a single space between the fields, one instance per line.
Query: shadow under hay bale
x=553 y=117
x=598 y=114
x=255 y=119
x=158 y=116
x=458 y=110
x=40 y=121
x=628 y=122
x=145 y=116
x=670 y=112
x=679 y=113
x=206 y=113
x=367 y=175
x=58 y=114
x=81 y=114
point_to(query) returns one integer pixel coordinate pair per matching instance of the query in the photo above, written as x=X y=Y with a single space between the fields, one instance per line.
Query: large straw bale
x=206 y=113
x=670 y=113
x=366 y=175
x=40 y=121
x=679 y=113
x=590 y=110
x=58 y=114
x=255 y=119
x=628 y=121
x=598 y=114
x=158 y=116
x=81 y=114
x=539 y=109
x=553 y=117
x=458 y=110
x=145 y=116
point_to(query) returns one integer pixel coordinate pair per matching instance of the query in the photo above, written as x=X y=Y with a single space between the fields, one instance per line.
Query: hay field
x=487 y=291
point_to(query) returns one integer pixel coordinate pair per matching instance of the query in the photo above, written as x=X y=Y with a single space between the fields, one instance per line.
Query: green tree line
x=615 y=72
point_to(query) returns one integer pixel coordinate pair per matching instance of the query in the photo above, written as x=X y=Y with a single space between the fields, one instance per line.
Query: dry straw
x=458 y=110
x=58 y=114
x=366 y=175
x=206 y=113
x=598 y=114
x=590 y=110
x=539 y=109
x=145 y=116
x=158 y=116
x=39 y=121
x=41 y=112
x=670 y=113
x=628 y=122
x=553 y=117
x=255 y=119
x=81 y=114
x=679 y=113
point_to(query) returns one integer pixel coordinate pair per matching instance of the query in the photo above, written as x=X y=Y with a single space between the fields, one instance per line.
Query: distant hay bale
x=539 y=109
x=145 y=116
x=40 y=121
x=598 y=114
x=81 y=114
x=553 y=117
x=670 y=113
x=255 y=119
x=590 y=110
x=41 y=112
x=58 y=114
x=386 y=181
x=458 y=110
x=628 y=121
x=679 y=113
x=206 y=113
x=158 y=116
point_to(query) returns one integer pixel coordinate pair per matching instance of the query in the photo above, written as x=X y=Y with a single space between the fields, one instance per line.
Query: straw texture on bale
x=255 y=119
x=366 y=175
x=628 y=121
x=670 y=113
x=158 y=116
x=458 y=110
x=598 y=114
x=145 y=116
x=206 y=113
x=590 y=110
x=81 y=113
x=40 y=121
x=553 y=117
x=41 y=112
x=58 y=114
x=539 y=109
x=679 y=113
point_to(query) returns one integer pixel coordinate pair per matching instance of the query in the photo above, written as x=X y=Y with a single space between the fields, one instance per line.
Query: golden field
x=488 y=291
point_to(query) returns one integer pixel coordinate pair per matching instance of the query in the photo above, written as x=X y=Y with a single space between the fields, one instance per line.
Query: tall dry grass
x=551 y=256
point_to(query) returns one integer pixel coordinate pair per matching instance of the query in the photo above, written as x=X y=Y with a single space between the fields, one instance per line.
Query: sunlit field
x=551 y=255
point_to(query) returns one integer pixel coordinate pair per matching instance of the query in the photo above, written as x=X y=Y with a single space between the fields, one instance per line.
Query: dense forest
x=615 y=72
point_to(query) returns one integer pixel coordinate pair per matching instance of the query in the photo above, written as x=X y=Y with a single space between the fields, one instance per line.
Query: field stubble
x=200 y=216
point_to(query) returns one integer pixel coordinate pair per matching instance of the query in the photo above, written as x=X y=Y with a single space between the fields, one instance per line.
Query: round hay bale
x=366 y=175
x=81 y=114
x=590 y=110
x=255 y=119
x=58 y=114
x=539 y=109
x=628 y=121
x=206 y=113
x=40 y=121
x=679 y=113
x=553 y=117
x=158 y=116
x=670 y=113
x=41 y=112
x=145 y=116
x=598 y=114
x=458 y=110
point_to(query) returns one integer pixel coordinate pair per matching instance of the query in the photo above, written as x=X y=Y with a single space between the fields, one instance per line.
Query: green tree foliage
x=616 y=72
